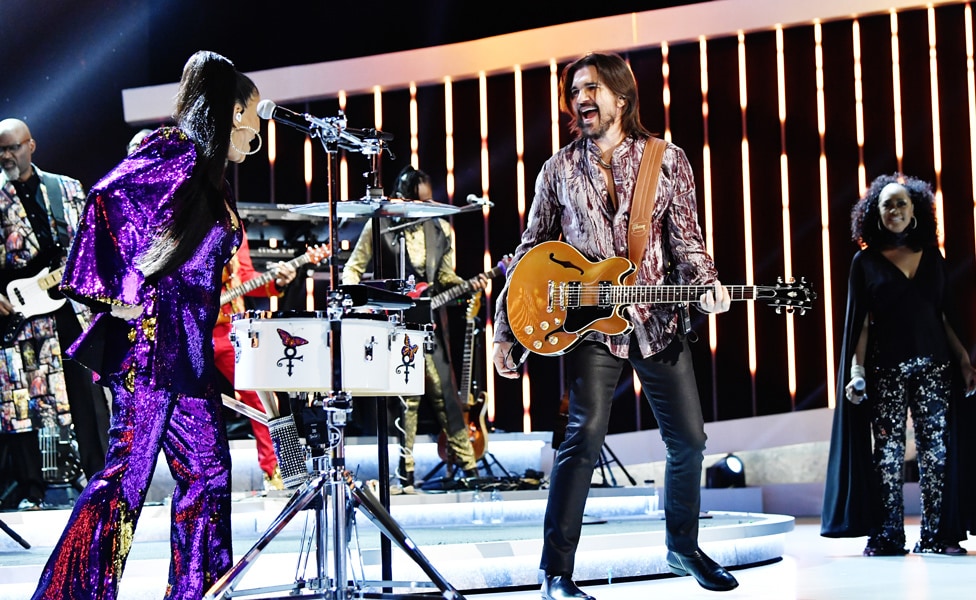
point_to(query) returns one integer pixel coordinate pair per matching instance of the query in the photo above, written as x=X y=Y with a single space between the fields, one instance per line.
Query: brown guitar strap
x=642 y=205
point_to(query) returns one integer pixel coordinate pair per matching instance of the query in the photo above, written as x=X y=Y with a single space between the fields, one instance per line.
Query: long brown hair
x=614 y=73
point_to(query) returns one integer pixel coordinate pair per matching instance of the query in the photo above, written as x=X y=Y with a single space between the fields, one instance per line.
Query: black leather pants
x=668 y=382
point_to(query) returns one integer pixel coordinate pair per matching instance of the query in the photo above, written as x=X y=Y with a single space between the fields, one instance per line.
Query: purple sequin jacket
x=571 y=203
x=173 y=337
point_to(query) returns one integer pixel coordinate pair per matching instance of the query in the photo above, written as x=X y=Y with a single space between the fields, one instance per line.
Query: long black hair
x=209 y=88
x=866 y=226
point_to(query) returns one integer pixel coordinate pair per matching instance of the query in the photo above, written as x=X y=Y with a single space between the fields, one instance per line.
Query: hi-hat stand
x=323 y=418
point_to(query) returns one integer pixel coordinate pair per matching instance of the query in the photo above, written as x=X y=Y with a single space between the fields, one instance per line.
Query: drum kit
x=360 y=346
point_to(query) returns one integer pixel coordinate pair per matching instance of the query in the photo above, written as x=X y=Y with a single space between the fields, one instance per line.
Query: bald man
x=45 y=402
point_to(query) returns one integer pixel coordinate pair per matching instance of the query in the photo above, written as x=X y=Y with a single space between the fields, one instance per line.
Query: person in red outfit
x=237 y=272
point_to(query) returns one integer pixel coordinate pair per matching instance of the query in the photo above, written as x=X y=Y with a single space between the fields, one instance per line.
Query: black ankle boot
x=561 y=587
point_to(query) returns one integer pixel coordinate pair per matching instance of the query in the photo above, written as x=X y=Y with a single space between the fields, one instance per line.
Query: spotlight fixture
x=728 y=472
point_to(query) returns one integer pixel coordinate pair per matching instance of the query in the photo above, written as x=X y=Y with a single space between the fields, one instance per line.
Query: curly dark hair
x=866 y=227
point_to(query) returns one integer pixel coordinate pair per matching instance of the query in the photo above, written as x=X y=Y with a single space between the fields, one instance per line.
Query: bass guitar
x=29 y=297
x=474 y=409
x=60 y=461
x=556 y=296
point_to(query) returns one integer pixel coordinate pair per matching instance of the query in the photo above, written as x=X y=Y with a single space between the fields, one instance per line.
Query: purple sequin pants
x=90 y=556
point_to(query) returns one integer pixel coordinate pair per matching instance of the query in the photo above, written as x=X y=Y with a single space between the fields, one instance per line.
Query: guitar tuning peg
x=779 y=280
x=779 y=309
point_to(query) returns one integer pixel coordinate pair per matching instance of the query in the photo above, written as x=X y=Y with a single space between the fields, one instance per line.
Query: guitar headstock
x=791 y=296
x=318 y=253
x=474 y=306
x=504 y=263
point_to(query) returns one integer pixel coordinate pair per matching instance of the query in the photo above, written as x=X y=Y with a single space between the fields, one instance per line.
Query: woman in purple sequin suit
x=156 y=232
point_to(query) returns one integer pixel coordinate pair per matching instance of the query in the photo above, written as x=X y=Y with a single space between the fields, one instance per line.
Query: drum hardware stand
x=324 y=428
x=13 y=534
x=604 y=465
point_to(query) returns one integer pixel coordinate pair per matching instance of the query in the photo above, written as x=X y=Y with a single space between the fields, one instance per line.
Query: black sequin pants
x=922 y=386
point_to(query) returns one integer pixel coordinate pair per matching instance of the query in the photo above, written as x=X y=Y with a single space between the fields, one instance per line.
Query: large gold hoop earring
x=256 y=133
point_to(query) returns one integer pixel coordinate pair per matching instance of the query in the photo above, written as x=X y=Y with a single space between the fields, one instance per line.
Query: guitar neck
x=253 y=284
x=50 y=280
x=459 y=290
x=465 y=387
x=571 y=295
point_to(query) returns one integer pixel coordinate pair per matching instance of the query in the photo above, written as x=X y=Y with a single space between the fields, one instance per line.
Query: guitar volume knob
x=537 y=344
x=529 y=330
x=544 y=326
x=553 y=340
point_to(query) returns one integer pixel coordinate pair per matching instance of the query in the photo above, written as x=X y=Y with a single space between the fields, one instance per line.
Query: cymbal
x=379 y=208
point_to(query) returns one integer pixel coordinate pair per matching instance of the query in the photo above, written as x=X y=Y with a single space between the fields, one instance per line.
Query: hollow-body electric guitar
x=556 y=296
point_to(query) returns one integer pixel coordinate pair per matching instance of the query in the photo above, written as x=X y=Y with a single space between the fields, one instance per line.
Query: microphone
x=859 y=387
x=472 y=199
x=310 y=125
x=268 y=111
x=370 y=134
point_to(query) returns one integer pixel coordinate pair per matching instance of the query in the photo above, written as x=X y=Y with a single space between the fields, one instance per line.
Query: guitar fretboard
x=50 y=280
x=575 y=294
x=459 y=290
x=253 y=284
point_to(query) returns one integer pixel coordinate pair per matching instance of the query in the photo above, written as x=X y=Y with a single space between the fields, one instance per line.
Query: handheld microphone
x=268 y=111
x=472 y=199
x=858 y=390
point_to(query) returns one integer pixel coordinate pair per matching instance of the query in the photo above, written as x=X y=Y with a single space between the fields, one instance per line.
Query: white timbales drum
x=380 y=359
x=405 y=376
x=281 y=352
x=289 y=352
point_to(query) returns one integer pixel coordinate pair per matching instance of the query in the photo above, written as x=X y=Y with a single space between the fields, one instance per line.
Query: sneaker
x=405 y=484
x=274 y=482
x=28 y=504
